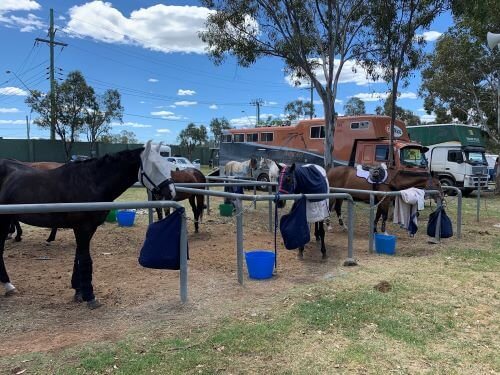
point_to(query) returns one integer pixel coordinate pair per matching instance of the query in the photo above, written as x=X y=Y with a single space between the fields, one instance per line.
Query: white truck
x=456 y=154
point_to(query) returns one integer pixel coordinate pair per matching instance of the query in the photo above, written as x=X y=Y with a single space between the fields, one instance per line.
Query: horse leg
x=19 y=231
x=196 y=214
x=75 y=280
x=4 y=277
x=300 y=255
x=52 y=235
x=321 y=232
x=338 y=211
x=84 y=265
x=377 y=218
x=316 y=231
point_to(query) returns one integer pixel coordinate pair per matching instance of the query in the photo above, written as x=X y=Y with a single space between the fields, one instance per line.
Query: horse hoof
x=94 y=304
x=318 y=239
x=300 y=256
x=18 y=239
x=324 y=256
x=78 y=298
x=11 y=292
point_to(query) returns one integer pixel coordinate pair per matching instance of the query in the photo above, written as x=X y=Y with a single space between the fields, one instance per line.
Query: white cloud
x=182 y=92
x=12 y=91
x=271 y=103
x=376 y=96
x=250 y=121
x=153 y=80
x=165 y=28
x=162 y=113
x=317 y=101
x=163 y=130
x=172 y=106
x=428 y=118
x=142 y=102
x=430 y=36
x=421 y=110
x=9 y=110
x=131 y=124
x=12 y=122
x=213 y=106
x=13 y=5
x=185 y=103
x=352 y=72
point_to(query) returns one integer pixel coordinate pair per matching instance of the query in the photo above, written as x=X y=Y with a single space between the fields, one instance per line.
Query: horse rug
x=311 y=179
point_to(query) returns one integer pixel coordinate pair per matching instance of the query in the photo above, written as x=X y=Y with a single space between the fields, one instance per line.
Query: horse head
x=253 y=163
x=286 y=182
x=155 y=173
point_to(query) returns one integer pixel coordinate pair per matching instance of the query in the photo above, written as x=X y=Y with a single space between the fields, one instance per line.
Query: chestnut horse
x=345 y=177
x=188 y=175
x=16 y=227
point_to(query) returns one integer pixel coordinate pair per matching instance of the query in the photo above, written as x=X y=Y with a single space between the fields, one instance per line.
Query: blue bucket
x=385 y=244
x=125 y=218
x=260 y=264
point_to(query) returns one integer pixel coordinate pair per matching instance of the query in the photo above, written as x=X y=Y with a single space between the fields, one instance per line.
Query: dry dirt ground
x=42 y=316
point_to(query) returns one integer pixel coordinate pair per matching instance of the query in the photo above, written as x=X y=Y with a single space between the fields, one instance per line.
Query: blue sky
x=150 y=52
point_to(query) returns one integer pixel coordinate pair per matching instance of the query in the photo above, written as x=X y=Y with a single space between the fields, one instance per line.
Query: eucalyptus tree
x=299 y=109
x=314 y=38
x=398 y=50
x=354 y=106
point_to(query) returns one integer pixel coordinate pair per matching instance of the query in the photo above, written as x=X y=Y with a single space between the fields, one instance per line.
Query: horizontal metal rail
x=105 y=206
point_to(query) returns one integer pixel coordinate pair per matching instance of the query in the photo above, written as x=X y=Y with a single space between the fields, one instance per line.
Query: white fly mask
x=155 y=171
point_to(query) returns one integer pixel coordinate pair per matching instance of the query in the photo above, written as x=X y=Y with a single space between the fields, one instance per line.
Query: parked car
x=197 y=163
x=181 y=163
x=490 y=158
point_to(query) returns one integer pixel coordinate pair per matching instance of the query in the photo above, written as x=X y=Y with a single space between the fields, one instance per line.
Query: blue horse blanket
x=310 y=181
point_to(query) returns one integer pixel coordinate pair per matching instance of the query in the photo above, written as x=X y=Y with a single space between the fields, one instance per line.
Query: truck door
x=455 y=164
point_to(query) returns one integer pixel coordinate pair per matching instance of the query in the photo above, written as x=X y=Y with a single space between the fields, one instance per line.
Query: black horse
x=293 y=180
x=95 y=180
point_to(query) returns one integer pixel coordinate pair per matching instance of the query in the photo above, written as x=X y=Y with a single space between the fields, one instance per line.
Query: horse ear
x=147 y=149
x=279 y=166
x=159 y=146
x=292 y=168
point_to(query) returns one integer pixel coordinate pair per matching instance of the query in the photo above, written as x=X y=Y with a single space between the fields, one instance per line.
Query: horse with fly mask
x=95 y=180
x=294 y=180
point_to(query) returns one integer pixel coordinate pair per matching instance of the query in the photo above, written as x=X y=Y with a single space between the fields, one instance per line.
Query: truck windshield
x=476 y=158
x=413 y=156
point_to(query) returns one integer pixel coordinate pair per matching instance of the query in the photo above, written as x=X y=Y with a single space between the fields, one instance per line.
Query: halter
x=281 y=189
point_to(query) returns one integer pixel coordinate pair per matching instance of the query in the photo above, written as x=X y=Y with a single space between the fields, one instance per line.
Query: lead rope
x=276 y=199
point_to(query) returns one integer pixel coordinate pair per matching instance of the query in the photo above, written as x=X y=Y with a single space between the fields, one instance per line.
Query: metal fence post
x=150 y=210
x=270 y=191
x=459 y=214
x=183 y=261
x=350 y=261
x=254 y=194
x=239 y=240
x=208 y=200
x=372 y=219
x=478 y=201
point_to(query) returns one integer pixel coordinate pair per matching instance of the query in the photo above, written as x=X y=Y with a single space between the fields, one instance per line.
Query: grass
x=441 y=317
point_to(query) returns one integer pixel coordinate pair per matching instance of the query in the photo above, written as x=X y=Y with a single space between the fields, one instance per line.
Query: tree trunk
x=497 y=179
x=329 y=109
x=393 y=122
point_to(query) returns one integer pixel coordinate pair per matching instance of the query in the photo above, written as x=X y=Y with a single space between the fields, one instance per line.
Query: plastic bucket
x=111 y=218
x=260 y=264
x=125 y=218
x=385 y=244
x=226 y=209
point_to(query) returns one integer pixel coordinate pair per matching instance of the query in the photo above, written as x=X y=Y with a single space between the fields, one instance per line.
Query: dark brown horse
x=188 y=175
x=345 y=177
x=16 y=227
x=95 y=180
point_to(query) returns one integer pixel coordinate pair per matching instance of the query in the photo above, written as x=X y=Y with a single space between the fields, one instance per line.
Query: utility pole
x=51 y=42
x=257 y=103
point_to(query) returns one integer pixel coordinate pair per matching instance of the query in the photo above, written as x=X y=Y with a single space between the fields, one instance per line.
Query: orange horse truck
x=357 y=140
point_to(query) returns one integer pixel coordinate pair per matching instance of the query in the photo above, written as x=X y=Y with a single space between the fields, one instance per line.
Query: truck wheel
x=445 y=181
x=263 y=177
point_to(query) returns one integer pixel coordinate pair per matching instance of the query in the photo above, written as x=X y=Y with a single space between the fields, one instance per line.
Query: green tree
x=309 y=36
x=354 y=106
x=192 y=136
x=409 y=118
x=217 y=126
x=103 y=109
x=299 y=109
x=459 y=79
x=478 y=17
x=397 y=49
x=125 y=137
x=73 y=97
